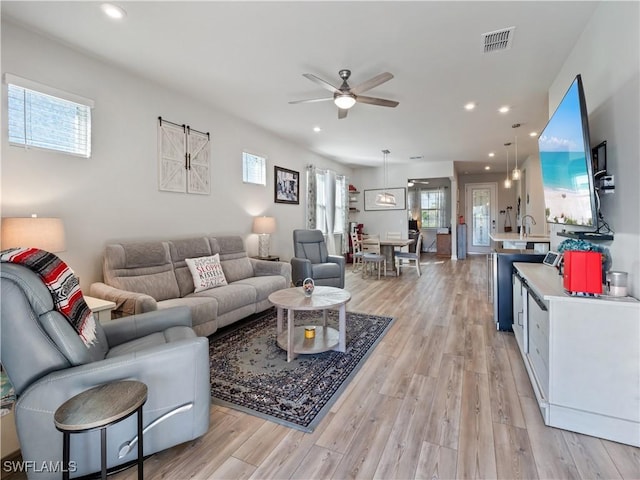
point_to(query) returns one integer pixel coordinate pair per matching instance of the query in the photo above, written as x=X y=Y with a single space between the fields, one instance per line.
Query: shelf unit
x=353 y=201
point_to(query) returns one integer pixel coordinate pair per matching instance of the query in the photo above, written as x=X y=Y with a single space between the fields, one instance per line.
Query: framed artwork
x=286 y=186
x=399 y=193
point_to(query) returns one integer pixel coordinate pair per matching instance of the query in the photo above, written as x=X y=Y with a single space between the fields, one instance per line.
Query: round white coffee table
x=326 y=338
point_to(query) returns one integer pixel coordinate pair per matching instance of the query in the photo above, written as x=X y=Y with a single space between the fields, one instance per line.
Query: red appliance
x=583 y=272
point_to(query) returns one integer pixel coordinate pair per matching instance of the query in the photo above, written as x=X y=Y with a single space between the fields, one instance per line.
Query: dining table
x=388 y=249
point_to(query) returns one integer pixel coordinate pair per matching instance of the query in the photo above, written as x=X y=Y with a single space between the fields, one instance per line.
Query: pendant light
x=515 y=175
x=507 y=181
x=385 y=199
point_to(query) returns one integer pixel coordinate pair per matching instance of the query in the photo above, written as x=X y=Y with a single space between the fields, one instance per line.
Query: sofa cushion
x=229 y=297
x=203 y=309
x=179 y=251
x=141 y=267
x=206 y=272
x=265 y=285
x=233 y=257
x=326 y=270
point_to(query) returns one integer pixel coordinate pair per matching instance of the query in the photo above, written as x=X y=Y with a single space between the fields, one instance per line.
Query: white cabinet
x=582 y=355
x=538 y=335
x=518 y=314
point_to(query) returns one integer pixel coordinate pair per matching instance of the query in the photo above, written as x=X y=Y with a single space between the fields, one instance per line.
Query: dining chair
x=356 y=248
x=372 y=255
x=410 y=256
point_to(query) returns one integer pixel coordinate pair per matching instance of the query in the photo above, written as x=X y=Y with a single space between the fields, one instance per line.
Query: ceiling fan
x=346 y=97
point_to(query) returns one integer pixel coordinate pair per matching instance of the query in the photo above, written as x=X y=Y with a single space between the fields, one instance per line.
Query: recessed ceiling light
x=533 y=134
x=317 y=129
x=487 y=167
x=492 y=154
x=470 y=106
x=504 y=109
x=113 y=11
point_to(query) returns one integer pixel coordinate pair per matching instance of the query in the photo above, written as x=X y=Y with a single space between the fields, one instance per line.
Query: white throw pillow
x=206 y=272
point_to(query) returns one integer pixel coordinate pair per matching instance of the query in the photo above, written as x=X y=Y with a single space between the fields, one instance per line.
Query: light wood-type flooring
x=444 y=395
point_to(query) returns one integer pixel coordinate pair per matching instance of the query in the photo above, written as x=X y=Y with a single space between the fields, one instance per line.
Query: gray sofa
x=145 y=276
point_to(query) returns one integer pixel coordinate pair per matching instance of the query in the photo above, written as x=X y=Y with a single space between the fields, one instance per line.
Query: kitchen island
x=515 y=241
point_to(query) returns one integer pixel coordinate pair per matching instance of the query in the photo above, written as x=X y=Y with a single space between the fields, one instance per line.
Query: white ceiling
x=247 y=58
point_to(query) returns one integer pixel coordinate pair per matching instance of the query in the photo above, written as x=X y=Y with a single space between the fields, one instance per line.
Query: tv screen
x=565 y=160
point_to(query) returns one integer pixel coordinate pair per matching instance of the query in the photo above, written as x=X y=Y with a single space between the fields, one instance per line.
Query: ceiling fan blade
x=372 y=82
x=321 y=82
x=342 y=113
x=312 y=100
x=377 y=101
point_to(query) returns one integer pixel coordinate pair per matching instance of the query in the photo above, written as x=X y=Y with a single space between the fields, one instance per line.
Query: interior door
x=481 y=212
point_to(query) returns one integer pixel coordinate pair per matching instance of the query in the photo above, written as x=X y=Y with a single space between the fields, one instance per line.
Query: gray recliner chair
x=312 y=260
x=47 y=363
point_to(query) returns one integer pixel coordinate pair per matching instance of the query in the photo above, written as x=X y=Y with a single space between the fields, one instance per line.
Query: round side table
x=100 y=407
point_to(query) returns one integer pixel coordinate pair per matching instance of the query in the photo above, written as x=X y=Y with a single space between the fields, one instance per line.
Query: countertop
x=515 y=237
x=547 y=283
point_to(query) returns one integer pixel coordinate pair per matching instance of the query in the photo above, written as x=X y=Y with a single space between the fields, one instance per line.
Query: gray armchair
x=48 y=363
x=312 y=260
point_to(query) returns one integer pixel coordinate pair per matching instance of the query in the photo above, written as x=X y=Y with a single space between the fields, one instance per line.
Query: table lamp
x=264 y=226
x=43 y=233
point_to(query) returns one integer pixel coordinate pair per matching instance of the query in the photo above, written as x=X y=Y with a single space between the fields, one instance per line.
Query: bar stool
x=100 y=407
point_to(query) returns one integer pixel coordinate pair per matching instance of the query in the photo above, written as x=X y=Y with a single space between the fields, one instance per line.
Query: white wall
x=532 y=195
x=114 y=195
x=607 y=55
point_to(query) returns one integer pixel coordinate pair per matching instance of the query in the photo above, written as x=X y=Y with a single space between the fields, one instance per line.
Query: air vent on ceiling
x=498 y=40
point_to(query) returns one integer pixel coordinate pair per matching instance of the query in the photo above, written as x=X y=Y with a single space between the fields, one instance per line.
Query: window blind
x=44 y=120
x=254 y=169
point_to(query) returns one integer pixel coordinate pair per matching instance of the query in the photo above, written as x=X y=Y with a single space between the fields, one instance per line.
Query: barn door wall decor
x=183 y=159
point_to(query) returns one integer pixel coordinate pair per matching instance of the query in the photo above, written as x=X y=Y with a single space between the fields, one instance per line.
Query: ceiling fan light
x=385 y=199
x=113 y=11
x=344 y=100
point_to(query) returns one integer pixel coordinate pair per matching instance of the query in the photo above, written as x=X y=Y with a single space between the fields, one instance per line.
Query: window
x=44 y=117
x=327 y=207
x=254 y=169
x=433 y=204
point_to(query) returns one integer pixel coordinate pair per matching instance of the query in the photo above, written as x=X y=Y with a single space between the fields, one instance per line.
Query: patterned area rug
x=249 y=372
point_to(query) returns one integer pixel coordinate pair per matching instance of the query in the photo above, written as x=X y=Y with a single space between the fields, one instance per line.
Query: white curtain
x=327 y=206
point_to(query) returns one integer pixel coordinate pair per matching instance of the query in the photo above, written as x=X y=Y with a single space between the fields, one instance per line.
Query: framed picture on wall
x=286 y=186
x=400 y=195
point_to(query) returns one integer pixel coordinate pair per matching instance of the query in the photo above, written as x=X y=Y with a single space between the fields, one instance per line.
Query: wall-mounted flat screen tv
x=565 y=160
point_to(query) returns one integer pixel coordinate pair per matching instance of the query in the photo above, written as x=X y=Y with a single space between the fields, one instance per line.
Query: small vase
x=308 y=286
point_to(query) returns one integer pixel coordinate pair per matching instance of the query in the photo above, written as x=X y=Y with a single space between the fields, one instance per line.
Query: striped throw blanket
x=63 y=285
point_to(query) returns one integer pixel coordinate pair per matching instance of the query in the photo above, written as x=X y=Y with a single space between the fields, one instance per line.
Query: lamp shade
x=345 y=100
x=43 y=233
x=264 y=225
x=385 y=199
